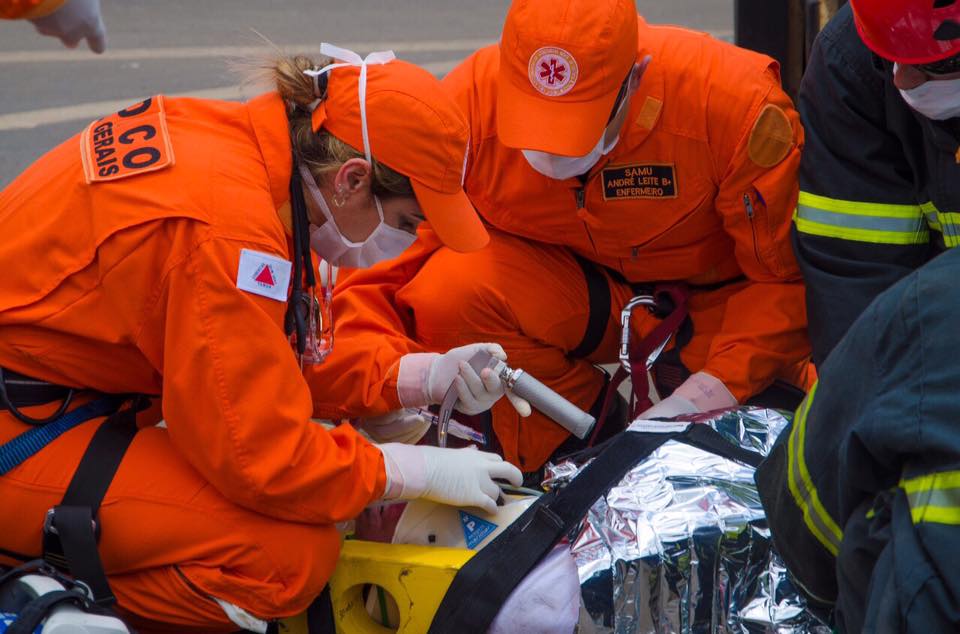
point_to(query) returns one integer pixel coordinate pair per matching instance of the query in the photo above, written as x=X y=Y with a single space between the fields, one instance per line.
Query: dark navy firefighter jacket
x=862 y=491
x=879 y=183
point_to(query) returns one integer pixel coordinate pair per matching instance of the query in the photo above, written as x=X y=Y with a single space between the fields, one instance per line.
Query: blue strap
x=33 y=440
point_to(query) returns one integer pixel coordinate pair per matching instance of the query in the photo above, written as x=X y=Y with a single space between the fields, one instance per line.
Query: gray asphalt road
x=48 y=93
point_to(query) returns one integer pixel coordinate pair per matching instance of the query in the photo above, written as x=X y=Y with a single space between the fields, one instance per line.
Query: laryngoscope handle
x=563 y=412
x=560 y=410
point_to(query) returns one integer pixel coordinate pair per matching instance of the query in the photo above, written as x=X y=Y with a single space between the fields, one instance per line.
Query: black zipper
x=581 y=195
x=748 y=205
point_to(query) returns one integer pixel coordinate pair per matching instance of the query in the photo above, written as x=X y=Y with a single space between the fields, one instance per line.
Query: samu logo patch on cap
x=552 y=71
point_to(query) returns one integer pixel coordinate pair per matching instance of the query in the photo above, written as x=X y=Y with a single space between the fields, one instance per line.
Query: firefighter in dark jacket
x=862 y=492
x=879 y=178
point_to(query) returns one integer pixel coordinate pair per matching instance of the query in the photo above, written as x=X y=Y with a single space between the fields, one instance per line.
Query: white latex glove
x=424 y=378
x=403 y=425
x=699 y=393
x=458 y=477
x=74 y=21
x=669 y=407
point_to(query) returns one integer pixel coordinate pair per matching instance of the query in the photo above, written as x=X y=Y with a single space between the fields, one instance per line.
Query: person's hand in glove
x=403 y=425
x=458 y=477
x=73 y=21
x=699 y=393
x=424 y=379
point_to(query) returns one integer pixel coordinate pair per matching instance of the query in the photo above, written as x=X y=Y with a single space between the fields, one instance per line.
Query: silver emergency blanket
x=681 y=545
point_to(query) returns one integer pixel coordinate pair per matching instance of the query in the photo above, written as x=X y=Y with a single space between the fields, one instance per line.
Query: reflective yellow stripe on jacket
x=864 y=222
x=804 y=493
x=946 y=222
x=934 y=498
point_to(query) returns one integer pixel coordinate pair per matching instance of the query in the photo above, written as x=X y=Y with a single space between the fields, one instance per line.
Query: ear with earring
x=338 y=197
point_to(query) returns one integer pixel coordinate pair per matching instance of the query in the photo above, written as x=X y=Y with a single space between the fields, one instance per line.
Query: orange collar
x=268 y=115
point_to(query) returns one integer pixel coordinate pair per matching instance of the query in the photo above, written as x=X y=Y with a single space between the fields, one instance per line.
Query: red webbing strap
x=640 y=352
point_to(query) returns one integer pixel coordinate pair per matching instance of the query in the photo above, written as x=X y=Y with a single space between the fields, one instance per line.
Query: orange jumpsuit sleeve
x=25 y=9
x=764 y=326
x=237 y=407
x=359 y=378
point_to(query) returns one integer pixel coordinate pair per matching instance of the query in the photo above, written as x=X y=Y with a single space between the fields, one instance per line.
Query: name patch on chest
x=631 y=182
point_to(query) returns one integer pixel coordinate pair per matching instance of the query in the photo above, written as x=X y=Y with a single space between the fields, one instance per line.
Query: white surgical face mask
x=937 y=100
x=328 y=242
x=561 y=167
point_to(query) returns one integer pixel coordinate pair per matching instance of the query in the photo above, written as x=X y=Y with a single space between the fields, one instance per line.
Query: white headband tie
x=349 y=58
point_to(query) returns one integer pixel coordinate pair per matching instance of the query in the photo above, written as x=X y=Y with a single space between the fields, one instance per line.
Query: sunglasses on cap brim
x=620 y=95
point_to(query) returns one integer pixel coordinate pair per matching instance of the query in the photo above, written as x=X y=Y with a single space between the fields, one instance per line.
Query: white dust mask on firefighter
x=935 y=99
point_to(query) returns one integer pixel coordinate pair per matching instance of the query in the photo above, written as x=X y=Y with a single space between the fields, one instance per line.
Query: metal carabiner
x=650 y=302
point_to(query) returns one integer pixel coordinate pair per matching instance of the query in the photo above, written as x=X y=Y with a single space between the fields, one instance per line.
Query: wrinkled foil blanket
x=681 y=544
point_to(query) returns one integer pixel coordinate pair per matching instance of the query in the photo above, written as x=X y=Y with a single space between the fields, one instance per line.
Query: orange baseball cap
x=411 y=125
x=562 y=63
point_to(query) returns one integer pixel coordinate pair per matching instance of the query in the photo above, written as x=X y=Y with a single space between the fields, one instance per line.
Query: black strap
x=598 y=293
x=492 y=574
x=25 y=391
x=71 y=532
x=482 y=586
x=37 y=610
x=320 y=614
x=303 y=274
x=102 y=458
x=779 y=395
x=704 y=437
x=646 y=288
x=28 y=568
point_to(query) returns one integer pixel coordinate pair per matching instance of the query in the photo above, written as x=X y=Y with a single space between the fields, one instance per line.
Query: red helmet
x=909 y=31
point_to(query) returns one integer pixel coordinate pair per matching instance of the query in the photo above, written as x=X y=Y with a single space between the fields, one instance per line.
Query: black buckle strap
x=71 y=530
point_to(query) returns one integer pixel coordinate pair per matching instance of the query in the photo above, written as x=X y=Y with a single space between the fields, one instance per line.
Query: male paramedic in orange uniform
x=151 y=254
x=68 y=20
x=603 y=147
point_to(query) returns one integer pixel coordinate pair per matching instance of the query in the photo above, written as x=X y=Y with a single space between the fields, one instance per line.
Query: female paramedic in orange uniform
x=154 y=254
x=608 y=155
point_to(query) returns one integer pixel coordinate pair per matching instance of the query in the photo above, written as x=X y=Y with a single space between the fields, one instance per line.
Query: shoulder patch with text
x=263 y=274
x=132 y=141
x=642 y=180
